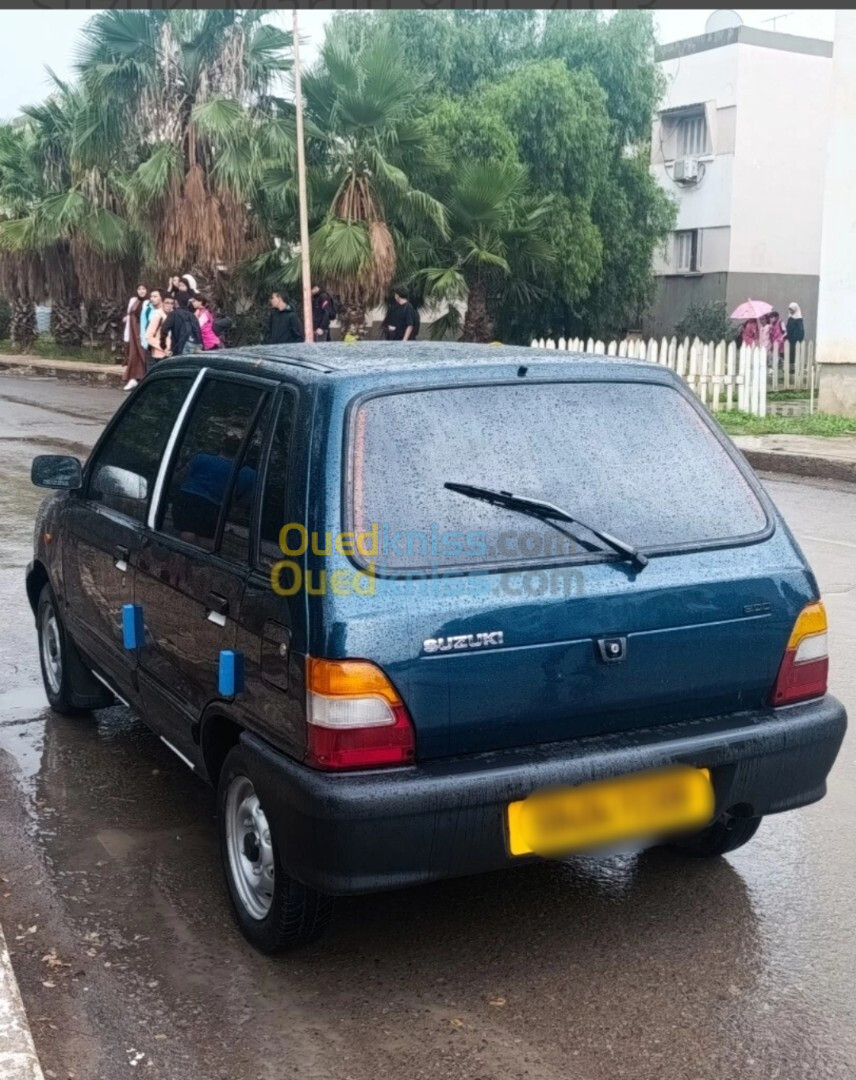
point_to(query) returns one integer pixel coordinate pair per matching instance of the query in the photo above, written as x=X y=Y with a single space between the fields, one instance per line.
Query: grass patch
x=45 y=348
x=740 y=423
x=788 y=395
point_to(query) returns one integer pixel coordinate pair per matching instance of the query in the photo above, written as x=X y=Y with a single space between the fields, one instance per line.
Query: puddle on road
x=22 y=729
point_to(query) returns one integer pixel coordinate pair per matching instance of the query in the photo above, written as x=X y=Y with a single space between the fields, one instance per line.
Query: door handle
x=218 y=607
x=121 y=555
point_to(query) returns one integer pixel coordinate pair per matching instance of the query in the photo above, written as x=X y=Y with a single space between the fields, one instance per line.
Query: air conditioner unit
x=687 y=170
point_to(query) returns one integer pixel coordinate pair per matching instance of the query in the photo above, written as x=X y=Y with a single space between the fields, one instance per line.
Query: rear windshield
x=633 y=459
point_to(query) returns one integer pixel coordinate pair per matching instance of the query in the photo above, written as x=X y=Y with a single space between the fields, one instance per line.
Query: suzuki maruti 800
x=430 y=610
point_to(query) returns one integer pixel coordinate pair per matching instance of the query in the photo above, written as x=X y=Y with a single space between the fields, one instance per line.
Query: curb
x=808 y=465
x=18 y=1058
x=107 y=374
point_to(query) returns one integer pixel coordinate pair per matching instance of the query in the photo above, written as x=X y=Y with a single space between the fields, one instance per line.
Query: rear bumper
x=370 y=831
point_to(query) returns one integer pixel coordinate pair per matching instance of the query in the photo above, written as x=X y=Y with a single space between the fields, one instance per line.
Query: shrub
x=708 y=321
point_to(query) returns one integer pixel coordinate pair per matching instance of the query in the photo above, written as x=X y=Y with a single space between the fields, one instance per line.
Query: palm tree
x=498 y=248
x=21 y=267
x=83 y=217
x=187 y=96
x=62 y=215
x=368 y=139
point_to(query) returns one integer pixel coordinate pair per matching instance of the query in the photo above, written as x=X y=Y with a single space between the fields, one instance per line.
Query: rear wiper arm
x=549 y=513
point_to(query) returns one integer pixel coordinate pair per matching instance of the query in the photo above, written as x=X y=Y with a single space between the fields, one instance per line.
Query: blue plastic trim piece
x=231 y=673
x=132 y=626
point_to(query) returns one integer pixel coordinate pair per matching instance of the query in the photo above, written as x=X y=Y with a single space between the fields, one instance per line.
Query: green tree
x=367 y=110
x=575 y=92
x=461 y=49
x=708 y=321
x=498 y=242
x=22 y=271
x=187 y=97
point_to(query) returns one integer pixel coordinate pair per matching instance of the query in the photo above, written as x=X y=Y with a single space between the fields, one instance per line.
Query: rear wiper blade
x=549 y=513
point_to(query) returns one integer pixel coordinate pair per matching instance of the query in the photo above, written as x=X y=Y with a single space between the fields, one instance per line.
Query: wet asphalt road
x=637 y=966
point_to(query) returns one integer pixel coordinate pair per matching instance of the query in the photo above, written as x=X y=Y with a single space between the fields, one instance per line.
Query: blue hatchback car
x=419 y=611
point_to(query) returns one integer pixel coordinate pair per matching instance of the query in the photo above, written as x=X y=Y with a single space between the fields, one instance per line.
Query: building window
x=688 y=251
x=692 y=135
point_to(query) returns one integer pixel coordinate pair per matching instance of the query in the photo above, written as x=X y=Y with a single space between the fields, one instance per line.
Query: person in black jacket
x=795 y=327
x=181 y=327
x=402 y=320
x=285 y=326
x=322 y=313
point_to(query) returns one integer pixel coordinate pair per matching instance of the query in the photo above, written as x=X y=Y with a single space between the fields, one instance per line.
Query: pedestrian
x=750 y=333
x=162 y=306
x=184 y=291
x=135 y=355
x=323 y=312
x=795 y=328
x=402 y=319
x=777 y=333
x=284 y=324
x=205 y=318
x=182 y=328
x=172 y=289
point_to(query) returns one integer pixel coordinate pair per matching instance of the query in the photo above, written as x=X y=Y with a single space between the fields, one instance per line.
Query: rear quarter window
x=634 y=459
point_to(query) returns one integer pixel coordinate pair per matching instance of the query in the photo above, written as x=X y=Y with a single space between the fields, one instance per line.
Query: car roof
x=376 y=360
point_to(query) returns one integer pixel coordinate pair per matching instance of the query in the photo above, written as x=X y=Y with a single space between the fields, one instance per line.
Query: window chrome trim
x=154 y=505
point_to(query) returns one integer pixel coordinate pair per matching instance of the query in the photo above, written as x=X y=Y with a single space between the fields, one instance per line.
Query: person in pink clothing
x=205 y=318
x=777 y=331
x=750 y=332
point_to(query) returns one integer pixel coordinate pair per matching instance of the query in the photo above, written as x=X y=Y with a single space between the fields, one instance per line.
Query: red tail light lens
x=355 y=717
x=805 y=667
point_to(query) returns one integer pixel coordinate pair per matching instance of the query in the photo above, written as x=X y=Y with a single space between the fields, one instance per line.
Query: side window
x=276 y=476
x=123 y=472
x=235 y=543
x=200 y=474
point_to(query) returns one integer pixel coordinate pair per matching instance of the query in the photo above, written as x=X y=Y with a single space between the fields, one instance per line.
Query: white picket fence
x=722 y=376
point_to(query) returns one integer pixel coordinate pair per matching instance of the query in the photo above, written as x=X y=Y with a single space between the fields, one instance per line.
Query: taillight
x=355 y=717
x=805 y=667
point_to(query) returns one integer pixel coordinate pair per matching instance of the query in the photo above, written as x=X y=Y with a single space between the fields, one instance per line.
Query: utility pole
x=308 y=329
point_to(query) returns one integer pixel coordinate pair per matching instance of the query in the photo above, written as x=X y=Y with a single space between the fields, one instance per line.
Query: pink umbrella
x=752 y=309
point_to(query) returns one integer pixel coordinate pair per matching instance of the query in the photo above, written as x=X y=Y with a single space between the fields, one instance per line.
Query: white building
x=740 y=143
x=836 y=336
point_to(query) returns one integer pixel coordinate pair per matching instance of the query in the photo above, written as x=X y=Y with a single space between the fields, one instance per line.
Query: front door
x=104 y=526
x=191 y=570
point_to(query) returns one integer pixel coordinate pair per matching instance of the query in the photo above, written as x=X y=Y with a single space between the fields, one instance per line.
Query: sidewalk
x=801 y=455
x=18 y=1060
x=79 y=370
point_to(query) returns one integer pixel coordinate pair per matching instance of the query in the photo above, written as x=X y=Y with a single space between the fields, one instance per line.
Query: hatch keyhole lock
x=612 y=650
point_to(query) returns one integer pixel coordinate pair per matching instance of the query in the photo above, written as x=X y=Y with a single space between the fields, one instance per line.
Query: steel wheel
x=52 y=650
x=248 y=843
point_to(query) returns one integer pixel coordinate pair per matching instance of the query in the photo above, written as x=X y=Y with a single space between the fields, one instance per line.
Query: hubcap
x=249 y=847
x=52 y=651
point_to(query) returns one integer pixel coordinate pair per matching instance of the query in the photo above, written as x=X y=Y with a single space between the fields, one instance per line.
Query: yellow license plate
x=605 y=812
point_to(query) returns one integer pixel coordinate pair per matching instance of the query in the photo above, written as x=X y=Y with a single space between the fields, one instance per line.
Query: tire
x=69 y=684
x=727 y=834
x=285 y=914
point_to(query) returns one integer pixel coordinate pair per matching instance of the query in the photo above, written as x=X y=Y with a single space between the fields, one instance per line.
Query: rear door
x=194 y=564
x=498 y=630
x=105 y=525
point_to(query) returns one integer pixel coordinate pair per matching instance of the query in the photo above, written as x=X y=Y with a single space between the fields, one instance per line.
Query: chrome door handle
x=121 y=556
x=218 y=607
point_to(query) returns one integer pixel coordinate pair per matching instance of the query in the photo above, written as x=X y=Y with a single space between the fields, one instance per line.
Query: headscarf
x=794 y=311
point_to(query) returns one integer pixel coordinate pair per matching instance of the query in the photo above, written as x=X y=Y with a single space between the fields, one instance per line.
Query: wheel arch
x=37 y=578
x=219 y=731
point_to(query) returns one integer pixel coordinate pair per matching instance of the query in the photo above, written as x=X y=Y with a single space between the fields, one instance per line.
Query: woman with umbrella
x=752 y=311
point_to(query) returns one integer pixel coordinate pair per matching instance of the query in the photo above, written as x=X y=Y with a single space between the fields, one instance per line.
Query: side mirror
x=111 y=480
x=56 y=471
